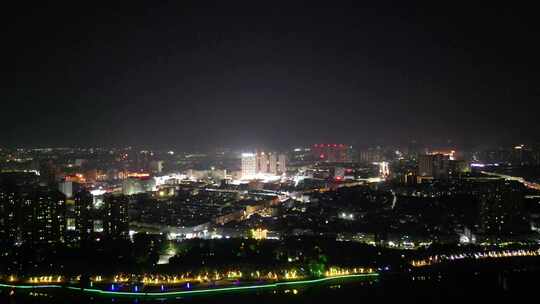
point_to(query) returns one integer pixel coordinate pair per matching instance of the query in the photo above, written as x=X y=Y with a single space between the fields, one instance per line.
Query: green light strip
x=29 y=286
x=192 y=292
x=224 y=289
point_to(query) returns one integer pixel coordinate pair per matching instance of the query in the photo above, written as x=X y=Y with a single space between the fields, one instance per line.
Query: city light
x=259 y=234
x=436 y=259
x=307 y=152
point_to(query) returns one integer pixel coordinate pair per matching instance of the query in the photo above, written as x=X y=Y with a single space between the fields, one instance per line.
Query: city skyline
x=276 y=152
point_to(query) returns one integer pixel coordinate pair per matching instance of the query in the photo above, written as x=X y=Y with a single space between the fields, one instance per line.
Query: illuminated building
x=43 y=216
x=115 y=219
x=458 y=166
x=9 y=203
x=143 y=159
x=97 y=226
x=409 y=178
x=263 y=164
x=134 y=185
x=440 y=165
x=431 y=165
x=371 y=155
x=136 y=174
x=212 y=173
x=502 y=209
x=259 y=234
x=90 y=176
x=339 y=173
x=84 y=202
x=282 y=164
x=32 y=214
x=156 y=166
x=171 y=179
x=466 y=236
x=76 y=178
x=333 y=153
x=301 y=155
x=249 y=165
x=68 y=188
x=384 y=169
x=273 y=164
x=451 y=154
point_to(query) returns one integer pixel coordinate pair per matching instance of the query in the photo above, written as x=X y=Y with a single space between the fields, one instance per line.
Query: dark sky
x=195 y=74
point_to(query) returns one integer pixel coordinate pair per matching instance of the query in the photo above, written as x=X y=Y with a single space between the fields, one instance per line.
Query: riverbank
x=166 y=293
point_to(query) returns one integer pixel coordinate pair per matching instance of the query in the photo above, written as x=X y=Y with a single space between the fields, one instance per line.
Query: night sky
x=199 y=74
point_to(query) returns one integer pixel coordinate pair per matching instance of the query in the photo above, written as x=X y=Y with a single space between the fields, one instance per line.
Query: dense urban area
x=269 y=152
x=132 y=219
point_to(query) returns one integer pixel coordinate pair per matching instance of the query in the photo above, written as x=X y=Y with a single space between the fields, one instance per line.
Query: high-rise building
x=502 y=209
x=31 y=214
x=371 y=155
x=84 y=214
x=156 y=166
x=432 y=165
x=458 y=166
x=425 y=165
x=440 y=165
x=409 y=178
x=43 y=218
x=115 y=219
x=249 y=165
x=333 y=153
x=68 y=188
x=273 y=163
x=263 y=163
x=384 y=169
x=9 y=205
x=301 y=155
x=413 y=149
x=282 y=164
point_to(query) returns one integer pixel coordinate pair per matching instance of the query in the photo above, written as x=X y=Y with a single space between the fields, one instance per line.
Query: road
x=527 y=184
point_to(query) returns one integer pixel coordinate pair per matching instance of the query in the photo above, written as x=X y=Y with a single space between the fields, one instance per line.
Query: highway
x=527 y=184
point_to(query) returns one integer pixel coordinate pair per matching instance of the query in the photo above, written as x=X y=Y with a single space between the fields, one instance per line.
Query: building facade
x=115 y=216
x=270 y=163
x=332 y=153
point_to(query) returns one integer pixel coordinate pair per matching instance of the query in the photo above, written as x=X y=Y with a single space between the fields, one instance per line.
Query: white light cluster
x=161 y=180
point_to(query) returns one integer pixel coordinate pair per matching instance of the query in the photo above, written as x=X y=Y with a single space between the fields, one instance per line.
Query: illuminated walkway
x=436 y=259
x=209 y=291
